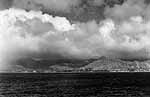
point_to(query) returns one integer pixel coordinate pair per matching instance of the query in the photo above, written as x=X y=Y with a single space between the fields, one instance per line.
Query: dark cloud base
x=83 y=12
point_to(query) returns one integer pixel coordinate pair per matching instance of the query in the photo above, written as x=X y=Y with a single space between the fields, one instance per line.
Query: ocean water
x=75 y=85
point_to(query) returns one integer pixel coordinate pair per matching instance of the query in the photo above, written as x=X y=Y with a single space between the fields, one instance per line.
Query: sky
x=73 y=29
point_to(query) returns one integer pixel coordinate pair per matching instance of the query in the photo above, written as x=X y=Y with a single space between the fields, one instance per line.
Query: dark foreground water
x=75 y=85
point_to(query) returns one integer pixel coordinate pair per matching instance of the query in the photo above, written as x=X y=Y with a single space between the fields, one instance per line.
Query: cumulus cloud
x=33 y=34
x=128 y=9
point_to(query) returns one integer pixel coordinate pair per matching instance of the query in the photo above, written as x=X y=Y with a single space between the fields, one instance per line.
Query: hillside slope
x=90 y=65
x=108 y=64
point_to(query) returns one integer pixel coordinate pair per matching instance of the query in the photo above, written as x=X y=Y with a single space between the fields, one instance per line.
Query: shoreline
x=69 y=72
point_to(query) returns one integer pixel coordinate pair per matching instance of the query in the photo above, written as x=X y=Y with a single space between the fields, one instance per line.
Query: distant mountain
x=86 y=65
x=44 y=63
x=109 y=64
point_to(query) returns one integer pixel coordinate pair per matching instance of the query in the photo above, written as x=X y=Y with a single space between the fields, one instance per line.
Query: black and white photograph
x=74 y=48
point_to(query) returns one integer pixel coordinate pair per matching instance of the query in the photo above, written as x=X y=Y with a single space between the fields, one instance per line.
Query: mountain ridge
x=86 y=65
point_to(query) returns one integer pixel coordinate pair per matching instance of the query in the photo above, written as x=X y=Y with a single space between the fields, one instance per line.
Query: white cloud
x=33 y=34
x=128 y=9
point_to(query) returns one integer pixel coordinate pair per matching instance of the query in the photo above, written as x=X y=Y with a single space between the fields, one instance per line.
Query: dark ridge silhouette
x=45 y=63
x=101 y=64
x=135 y=59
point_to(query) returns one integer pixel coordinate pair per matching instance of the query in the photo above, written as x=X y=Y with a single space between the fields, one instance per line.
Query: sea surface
x=75 y=85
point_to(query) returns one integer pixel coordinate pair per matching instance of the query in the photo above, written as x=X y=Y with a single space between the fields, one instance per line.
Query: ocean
x=75 y=84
